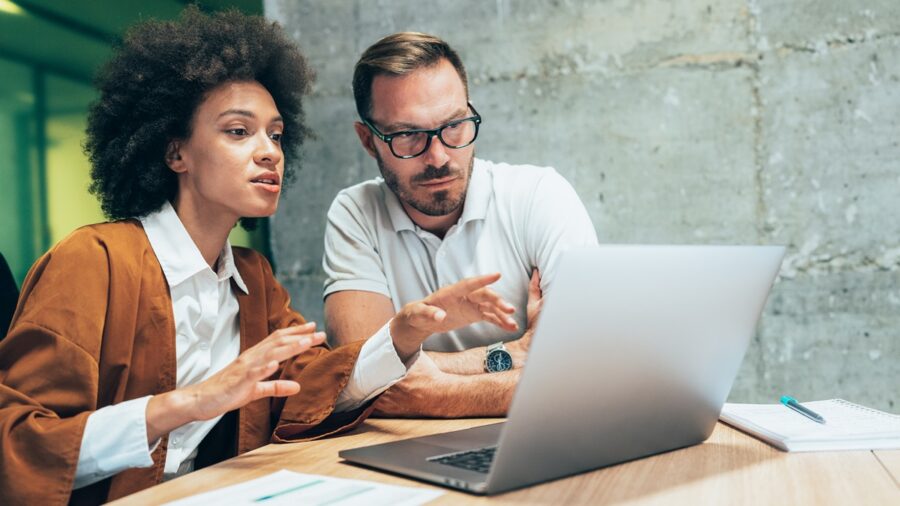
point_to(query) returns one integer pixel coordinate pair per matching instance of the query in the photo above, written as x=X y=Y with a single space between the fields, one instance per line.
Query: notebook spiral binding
x=865 y=408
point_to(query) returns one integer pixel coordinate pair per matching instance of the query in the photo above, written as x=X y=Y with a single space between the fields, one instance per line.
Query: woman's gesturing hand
x=239 y=383
x=451 y=307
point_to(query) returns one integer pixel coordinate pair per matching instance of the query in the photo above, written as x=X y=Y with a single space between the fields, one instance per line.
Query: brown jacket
x=94 y=327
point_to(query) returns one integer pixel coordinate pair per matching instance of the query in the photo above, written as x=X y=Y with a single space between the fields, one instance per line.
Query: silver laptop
x=635 y=352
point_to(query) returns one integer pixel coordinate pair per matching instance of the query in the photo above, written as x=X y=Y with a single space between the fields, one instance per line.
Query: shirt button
x=174 y=442
x=204 y=345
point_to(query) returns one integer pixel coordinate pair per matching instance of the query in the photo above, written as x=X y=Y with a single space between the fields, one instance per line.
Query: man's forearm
x=487 y=394
x=475 y=395
x=470 y=361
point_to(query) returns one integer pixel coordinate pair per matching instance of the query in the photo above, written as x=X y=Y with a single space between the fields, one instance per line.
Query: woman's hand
x=239 y=383
x=453 y=306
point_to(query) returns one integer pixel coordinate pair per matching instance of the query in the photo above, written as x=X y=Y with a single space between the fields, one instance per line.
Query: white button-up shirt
x=207 y=338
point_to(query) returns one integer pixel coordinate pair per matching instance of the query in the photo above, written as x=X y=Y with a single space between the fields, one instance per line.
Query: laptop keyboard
x=478 y=460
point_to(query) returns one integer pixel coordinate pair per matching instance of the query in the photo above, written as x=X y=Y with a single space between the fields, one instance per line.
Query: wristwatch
x=497 y=359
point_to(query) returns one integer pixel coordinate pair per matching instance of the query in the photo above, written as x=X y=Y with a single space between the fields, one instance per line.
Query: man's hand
x=519 y=348
x=454 y=306
x=239 y=383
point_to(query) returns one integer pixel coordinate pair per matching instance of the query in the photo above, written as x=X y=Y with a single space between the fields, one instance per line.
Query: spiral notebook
x=848 y=426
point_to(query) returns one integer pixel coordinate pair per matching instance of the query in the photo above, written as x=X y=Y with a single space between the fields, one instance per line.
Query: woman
x=147 y=347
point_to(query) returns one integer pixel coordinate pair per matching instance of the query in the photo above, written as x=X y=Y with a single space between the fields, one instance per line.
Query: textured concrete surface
x=718 y=121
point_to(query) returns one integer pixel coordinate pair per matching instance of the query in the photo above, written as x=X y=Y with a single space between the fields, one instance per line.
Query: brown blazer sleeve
x=322 y=374
x=49 y=371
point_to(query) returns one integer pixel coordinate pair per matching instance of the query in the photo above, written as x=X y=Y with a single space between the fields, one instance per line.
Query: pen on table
x=792 y=403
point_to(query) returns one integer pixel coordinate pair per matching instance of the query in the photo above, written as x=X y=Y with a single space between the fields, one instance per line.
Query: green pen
x=792 y=403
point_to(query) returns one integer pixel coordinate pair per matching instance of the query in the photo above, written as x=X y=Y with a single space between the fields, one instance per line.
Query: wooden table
x=729 y=468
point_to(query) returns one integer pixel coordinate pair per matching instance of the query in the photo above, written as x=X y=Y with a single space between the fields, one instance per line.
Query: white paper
x=289 y=488
x=847 y=426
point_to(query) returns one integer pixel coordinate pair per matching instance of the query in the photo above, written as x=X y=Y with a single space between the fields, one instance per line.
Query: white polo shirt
x=515 y=218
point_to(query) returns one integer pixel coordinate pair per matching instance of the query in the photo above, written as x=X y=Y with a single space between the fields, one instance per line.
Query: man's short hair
x=398 y=55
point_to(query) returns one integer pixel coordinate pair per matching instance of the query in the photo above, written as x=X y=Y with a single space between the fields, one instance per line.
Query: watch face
x=499 y=360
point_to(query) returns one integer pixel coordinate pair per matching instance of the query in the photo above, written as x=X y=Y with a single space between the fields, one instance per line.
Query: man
x=437 y=216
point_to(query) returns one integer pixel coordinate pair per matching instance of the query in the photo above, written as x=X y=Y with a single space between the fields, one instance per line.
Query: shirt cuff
x=377 y=369
x=114 y=439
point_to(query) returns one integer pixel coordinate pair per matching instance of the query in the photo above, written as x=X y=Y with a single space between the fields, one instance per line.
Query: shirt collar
x=478 y=199
x=399 y=218
x=227 y=269
x=177 y=253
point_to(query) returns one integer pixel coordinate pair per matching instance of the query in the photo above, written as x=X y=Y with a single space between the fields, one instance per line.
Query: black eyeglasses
x=456 y=134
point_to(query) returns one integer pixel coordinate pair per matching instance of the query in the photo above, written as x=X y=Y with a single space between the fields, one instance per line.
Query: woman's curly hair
x=154 y=83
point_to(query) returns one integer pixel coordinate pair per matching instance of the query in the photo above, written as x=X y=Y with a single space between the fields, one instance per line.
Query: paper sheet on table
x=287 y=487
x=848 y=426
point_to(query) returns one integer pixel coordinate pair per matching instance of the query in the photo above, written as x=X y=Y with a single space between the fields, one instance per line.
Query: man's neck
x=437 y=225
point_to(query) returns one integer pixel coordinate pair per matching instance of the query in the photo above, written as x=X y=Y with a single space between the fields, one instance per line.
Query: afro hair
x=154 y=83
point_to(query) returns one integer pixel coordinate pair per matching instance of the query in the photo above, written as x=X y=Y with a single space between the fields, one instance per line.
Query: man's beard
x=440 y=203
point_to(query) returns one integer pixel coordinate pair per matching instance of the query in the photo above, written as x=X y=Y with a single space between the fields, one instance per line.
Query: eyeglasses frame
x=387 y=138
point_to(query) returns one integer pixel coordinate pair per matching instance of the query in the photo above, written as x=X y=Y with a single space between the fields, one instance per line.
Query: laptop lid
x=634 y=354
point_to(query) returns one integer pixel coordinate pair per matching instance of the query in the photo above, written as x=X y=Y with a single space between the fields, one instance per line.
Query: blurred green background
x=49 y=51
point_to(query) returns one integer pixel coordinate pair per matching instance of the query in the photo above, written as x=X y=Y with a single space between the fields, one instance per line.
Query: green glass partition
x=21 y=223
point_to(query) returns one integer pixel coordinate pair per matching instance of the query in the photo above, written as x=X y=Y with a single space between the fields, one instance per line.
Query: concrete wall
x=686 y=121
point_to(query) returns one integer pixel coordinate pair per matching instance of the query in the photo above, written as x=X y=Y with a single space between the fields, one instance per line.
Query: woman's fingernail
x=319 y=335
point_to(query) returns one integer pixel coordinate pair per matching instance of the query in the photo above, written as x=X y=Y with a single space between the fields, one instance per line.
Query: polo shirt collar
x=399 y=219
x=177 y=253
x=478 y=199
